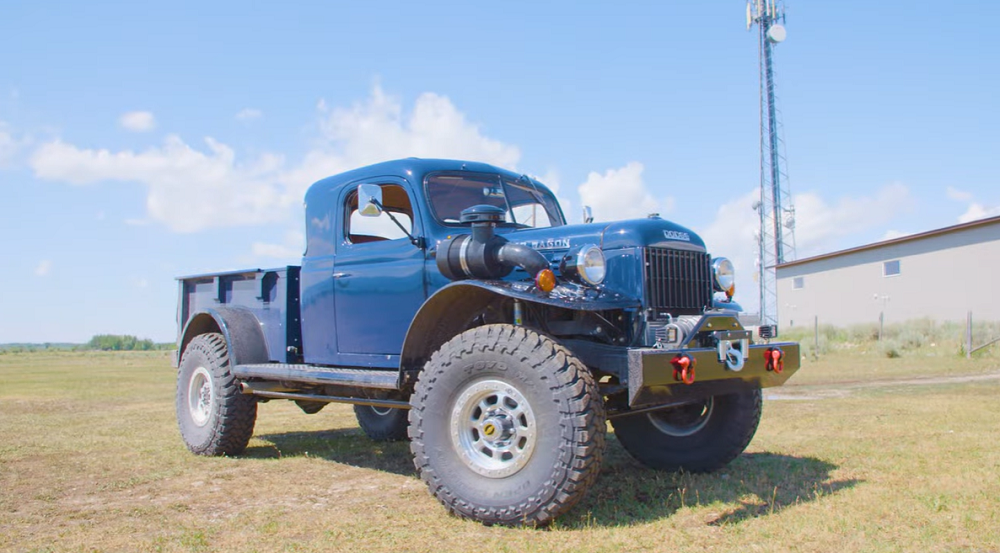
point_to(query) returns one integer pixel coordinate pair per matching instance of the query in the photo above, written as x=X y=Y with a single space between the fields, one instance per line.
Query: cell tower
x=776 y=237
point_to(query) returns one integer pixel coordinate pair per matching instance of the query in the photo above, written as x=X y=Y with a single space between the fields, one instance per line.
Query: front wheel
x=506 y=426
x=214 y=417
x=703 y=436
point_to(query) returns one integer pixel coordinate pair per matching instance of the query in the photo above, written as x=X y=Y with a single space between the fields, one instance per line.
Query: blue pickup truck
x=451 y=304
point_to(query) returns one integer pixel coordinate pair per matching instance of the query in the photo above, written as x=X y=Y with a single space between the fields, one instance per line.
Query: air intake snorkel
x=483 y=254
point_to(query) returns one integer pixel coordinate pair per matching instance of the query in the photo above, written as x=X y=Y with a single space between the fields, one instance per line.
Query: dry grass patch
x=90 y=459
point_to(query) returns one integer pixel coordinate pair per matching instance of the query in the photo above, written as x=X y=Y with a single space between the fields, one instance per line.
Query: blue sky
x=140 y=143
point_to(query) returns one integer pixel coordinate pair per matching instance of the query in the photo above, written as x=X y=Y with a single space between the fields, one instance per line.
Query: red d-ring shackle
x=683 y=368
x=774 y=359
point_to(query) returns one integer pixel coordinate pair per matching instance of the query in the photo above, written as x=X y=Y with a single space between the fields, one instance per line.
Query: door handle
x=341 y=275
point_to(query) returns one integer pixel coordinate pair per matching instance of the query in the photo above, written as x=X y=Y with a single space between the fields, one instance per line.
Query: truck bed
x=271 y=294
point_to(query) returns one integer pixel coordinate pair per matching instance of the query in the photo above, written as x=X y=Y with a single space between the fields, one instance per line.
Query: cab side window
x=362 y=230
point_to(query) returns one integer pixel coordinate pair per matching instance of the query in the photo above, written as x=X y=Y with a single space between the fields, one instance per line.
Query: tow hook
x=733 y=348
x=775 y=360
x=683 y=368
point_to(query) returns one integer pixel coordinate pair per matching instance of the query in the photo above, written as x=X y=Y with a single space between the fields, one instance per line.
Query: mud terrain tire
x=382 y=424
x=700 y=437
x=506 y=426
x=215 y=418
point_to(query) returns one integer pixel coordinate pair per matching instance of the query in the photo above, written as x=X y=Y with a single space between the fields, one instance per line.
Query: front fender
x=452 y=309
x=566 y=295
x=240 y=328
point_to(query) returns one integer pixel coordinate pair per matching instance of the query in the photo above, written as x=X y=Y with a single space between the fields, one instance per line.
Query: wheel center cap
x=497 y=428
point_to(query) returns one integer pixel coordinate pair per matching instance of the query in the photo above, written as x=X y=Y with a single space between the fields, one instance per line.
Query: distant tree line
x=123 y=342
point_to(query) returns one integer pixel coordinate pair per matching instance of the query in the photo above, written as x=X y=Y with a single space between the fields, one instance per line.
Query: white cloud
x=958 y=195
x=731 y=235
x=277 y=251
x=8 y=145
x=291 y=249
x=821 y=227
x=975 y=210
x=893 y=234
x=621 y=194
x=43 y=268
x=378 y=129
x=188 y=190
x=978 y=211
x=191 y=189
x=137 y=121
x=249 y=114
x=11 y=145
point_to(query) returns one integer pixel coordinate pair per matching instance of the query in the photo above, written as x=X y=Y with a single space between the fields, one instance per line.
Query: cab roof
x=412 y=169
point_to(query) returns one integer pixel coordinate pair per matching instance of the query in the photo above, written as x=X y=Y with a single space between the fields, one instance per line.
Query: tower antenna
x=776 y=237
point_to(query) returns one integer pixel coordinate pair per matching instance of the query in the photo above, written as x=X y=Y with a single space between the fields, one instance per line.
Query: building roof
x=908 y=238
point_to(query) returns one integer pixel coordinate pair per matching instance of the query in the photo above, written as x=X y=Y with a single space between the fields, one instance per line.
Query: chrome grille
x=678 y=282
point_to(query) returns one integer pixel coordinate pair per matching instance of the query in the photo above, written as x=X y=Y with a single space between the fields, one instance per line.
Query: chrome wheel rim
x=683 y=420
x=201 y=396
x=493 y=428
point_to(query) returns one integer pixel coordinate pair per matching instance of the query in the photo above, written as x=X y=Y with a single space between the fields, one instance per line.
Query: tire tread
x=571 y=382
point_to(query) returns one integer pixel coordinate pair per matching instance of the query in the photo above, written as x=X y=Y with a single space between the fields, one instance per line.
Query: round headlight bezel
x=724 y=275
x=585 y=264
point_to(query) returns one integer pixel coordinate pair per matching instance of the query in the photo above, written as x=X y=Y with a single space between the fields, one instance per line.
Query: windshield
x=525 y=204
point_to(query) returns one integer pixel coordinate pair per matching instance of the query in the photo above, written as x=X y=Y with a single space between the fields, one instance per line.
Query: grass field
x=859 y=453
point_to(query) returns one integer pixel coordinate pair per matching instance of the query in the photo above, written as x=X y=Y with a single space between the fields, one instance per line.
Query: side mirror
x=588 y=214
x=369 y=200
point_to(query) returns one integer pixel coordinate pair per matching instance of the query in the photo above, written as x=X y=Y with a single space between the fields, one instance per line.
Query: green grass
x=918 y=337
x=91 y=460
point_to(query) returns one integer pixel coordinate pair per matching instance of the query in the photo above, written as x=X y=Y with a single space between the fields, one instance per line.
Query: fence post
x=815 y=337
x=968 y=335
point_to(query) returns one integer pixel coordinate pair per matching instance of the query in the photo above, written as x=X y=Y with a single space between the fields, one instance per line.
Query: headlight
x=585 y=264
x=725 y=275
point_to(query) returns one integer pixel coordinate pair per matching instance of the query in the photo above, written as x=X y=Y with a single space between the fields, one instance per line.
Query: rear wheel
x=382 y=424
x=697 y=437
x=214 y=417
x=507 y=427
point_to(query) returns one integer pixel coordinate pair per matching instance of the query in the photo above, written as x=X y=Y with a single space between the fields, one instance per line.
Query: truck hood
x=652 y=232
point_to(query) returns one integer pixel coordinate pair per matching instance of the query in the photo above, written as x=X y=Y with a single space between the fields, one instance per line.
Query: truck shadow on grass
x=752 y=486
x=349 y=446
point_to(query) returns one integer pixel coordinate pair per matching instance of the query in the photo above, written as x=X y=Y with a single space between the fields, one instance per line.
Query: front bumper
x=652 y=380
x=650 y=376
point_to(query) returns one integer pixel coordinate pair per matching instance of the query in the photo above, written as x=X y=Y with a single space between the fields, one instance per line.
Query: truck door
x=378 y=277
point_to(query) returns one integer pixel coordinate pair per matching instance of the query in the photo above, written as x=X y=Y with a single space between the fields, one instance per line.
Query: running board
x=312 y=374
x=251 y=389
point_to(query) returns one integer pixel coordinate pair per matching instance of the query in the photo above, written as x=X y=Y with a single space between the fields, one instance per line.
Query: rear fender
x=240 y=328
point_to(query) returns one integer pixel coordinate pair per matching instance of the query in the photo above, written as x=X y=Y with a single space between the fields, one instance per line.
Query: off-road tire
x=714 y=439
x=382 y=424
x=546 y=380
x=214 y=417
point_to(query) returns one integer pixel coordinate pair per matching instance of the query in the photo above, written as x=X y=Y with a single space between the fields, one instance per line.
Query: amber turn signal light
x=545 y=280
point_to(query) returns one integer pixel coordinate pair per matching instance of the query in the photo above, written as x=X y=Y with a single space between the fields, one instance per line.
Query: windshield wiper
x=538 y=195
x=506 y=200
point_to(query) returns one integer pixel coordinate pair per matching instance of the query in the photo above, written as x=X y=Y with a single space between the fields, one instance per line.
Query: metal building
x=940 y=274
